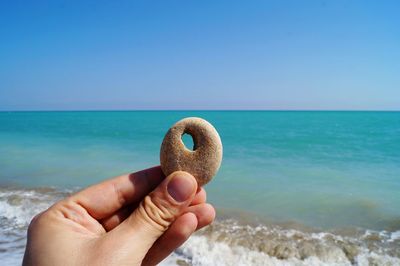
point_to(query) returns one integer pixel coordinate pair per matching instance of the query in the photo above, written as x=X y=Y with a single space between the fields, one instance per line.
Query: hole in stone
x=187 y=139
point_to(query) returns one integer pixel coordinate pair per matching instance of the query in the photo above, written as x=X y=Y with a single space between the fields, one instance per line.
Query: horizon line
x=204 y=110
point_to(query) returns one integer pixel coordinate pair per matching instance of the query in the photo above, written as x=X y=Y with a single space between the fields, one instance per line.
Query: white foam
x=366 y=259
x=327 y=248
x=29 y=204
x=17 y=207
x=200 y=251
x=394 y=236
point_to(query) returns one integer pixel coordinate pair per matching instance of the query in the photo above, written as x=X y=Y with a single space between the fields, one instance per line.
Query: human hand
x=117 y=222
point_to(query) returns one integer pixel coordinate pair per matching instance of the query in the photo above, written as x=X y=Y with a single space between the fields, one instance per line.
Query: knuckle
x=158 y=211
x=36 y=221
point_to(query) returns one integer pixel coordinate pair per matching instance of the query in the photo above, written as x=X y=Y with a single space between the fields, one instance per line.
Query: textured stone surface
x=205 y=159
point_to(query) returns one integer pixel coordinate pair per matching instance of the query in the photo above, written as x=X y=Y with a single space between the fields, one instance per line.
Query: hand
x=117 y=222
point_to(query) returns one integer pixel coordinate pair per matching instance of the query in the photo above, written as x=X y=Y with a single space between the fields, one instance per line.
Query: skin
x=128 y=220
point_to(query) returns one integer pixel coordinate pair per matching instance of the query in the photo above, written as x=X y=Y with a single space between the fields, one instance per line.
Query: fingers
x=201 y=197
x=174 y=237
x=156 y=213
x=205 y=214
x=199 y=216
x=119 y=216
x=106 y=198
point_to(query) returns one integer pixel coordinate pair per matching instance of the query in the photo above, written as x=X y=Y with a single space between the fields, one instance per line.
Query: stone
x=203 y=161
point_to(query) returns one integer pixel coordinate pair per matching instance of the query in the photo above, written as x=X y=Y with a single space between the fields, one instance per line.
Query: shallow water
x=238 y=240
x=330 y=175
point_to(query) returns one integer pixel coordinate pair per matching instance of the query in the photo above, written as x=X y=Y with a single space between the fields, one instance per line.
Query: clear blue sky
x=63 y=55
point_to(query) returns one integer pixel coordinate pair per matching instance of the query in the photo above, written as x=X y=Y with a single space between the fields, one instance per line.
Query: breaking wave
x=230 y=243
x=225 y=242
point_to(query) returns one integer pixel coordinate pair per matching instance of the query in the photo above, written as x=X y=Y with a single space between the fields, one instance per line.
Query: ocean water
x=294 y=188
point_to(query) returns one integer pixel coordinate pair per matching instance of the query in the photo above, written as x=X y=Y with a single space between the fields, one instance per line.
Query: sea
x=294 y=187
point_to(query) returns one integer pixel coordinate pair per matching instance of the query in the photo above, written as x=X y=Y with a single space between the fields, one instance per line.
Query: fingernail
x=181 y=187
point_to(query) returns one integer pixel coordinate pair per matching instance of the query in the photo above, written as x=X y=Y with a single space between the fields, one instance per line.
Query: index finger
x=105 y=198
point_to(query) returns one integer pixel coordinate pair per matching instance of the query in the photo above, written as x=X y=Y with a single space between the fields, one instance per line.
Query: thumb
x=157 y=212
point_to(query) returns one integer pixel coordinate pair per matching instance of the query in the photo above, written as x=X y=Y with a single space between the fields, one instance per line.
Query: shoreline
x=237 y=235
x=243 y=217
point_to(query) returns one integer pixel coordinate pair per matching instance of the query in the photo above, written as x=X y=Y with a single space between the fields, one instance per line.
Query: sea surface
x=294 y=188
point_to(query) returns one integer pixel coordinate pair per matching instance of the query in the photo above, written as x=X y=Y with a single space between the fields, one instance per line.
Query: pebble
x=203 y=161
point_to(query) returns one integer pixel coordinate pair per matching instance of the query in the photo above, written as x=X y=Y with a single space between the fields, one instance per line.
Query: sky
x=274 y=55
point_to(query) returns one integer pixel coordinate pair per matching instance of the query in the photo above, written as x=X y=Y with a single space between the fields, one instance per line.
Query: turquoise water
x=295 y=188
x=319 y=169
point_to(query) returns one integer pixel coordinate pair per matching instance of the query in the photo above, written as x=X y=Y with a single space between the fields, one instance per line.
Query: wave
x=227 y=241
x=17 y=208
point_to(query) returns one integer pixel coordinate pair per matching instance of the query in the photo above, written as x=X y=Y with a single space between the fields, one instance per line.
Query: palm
x=81 y=223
